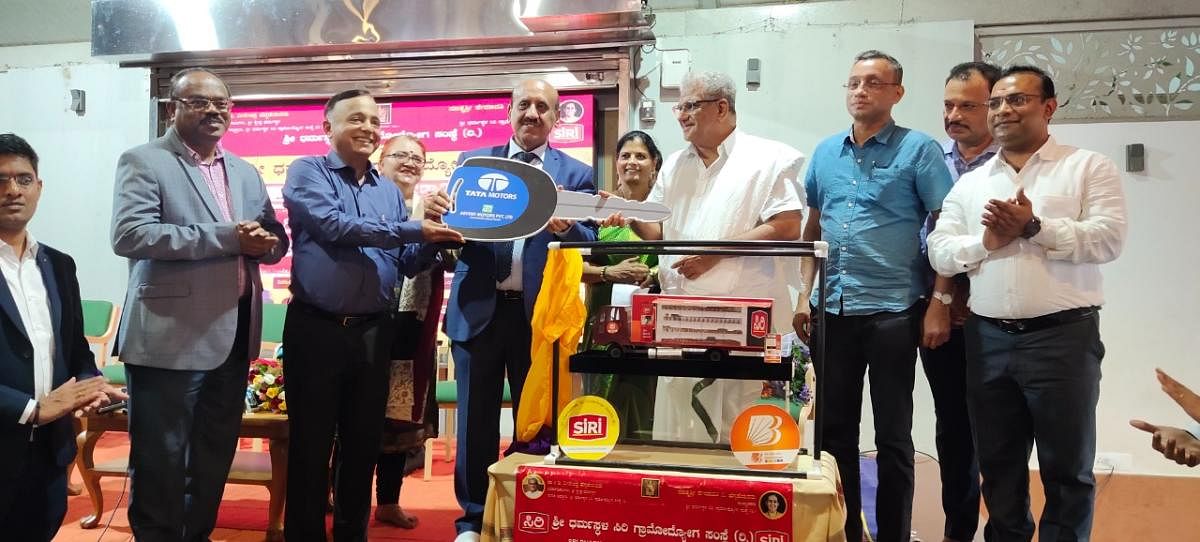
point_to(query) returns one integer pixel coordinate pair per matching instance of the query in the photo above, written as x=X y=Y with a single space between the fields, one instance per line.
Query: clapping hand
x=254 y=240
x=73 y=395
x=1174 y=443
x=1005 y=220
x=1179 y=393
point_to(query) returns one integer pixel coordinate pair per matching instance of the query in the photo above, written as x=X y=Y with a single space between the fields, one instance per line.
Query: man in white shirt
x=726 y=185
x=47 y=371
x=1031 y=228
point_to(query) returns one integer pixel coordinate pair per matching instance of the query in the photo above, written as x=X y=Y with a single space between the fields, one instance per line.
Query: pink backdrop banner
x=271 y=135
x=459 y=124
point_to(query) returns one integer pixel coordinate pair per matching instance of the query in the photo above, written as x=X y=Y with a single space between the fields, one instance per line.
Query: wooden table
x=819 y=509
x=248 y=467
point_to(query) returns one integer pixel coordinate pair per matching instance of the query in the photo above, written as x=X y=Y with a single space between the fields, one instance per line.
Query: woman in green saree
x=637 y=162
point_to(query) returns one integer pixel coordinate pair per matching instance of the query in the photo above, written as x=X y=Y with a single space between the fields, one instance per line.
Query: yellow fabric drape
x=558 y=316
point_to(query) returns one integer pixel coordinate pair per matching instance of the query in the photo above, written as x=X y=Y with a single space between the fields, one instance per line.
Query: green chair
x=100 y=319
x=446 y=393
x=115 y=374
x=273 y=315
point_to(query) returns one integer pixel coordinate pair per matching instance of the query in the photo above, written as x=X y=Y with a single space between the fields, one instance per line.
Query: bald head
x=533 y=112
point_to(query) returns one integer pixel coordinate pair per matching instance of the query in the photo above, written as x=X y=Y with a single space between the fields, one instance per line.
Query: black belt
x=344 y=320
x=510 y=295
x=1027 y=325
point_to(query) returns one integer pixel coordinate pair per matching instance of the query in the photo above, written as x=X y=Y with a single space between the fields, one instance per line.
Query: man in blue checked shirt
x=351 y=238
x=869 y=190
x=970 y=145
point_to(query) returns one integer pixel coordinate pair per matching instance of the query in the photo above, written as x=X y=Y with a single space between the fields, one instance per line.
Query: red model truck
x=716 y=325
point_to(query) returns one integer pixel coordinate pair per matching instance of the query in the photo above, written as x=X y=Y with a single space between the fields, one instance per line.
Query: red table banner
x=596 y=505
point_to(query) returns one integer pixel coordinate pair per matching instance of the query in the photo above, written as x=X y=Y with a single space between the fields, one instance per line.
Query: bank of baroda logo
x=765 y=437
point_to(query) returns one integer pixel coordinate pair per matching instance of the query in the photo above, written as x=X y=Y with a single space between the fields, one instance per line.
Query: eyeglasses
x=688 y=107
x=965 y=107
x=23 y=181
x=869 y=84
x=403 y=157
x=1014 y=100
x=201 y=104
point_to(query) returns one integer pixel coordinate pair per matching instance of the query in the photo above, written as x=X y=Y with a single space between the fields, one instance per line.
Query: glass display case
x=704 y=337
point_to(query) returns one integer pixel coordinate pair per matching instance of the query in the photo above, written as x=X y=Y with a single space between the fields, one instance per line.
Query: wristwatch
x=1031 y=228
x=944 y=297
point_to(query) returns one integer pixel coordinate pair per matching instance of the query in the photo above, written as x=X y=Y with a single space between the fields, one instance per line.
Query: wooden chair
x=100 y=320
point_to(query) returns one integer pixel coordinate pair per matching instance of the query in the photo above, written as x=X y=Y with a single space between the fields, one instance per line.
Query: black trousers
x=183 y=431
x=479 y=368
x=33 y=504
x=946 y=369
x=1037 y=387
x=337 y=382
x=390 y=471
x=883 y=346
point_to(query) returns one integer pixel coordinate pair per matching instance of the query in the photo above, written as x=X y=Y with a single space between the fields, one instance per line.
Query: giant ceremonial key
x=497 y=199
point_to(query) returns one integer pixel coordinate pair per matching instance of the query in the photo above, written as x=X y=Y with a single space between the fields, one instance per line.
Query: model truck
x=715 y=326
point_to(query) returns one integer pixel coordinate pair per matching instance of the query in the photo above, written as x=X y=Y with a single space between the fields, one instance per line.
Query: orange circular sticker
x=588 y=428
x=765 y=437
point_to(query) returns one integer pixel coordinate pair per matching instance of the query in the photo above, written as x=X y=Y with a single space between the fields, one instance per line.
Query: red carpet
x=243 y=513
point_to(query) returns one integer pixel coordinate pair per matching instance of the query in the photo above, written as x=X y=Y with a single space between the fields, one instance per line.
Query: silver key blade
x=583 y=206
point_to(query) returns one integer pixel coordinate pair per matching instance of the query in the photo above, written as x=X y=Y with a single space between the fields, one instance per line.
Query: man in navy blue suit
x=491 y=301
x=47 y=371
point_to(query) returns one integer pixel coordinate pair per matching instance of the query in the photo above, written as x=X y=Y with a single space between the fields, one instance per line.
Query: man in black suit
x=47 y=371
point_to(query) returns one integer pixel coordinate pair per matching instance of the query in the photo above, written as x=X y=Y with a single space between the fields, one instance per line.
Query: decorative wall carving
x=1112 y=75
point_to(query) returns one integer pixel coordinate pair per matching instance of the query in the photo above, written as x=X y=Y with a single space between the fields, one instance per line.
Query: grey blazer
x=182 y=303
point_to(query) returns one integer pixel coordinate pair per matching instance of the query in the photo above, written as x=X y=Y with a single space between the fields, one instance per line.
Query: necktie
x=504 y=250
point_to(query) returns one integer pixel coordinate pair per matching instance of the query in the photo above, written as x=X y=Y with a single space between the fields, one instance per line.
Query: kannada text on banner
x=595 y=505
x=272 y=135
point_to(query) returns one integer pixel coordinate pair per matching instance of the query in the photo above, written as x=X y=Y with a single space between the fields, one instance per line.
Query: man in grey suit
x=195 y=222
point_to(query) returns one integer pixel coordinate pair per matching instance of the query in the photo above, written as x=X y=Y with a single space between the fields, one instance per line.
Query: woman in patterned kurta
x=412 y=407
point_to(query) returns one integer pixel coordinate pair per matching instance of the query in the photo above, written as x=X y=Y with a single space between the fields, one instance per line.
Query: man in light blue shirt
x=869 y=190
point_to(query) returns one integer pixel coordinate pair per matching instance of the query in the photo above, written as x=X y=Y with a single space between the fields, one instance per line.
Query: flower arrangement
x=800 y=388
x=264 y=389
x=801 y=391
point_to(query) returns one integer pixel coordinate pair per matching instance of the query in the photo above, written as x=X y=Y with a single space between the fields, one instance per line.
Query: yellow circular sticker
x=765 y=437
x=588 y=428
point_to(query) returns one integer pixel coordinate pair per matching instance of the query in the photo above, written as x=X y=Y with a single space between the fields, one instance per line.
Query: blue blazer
x=473 y=292
x=72 y=358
